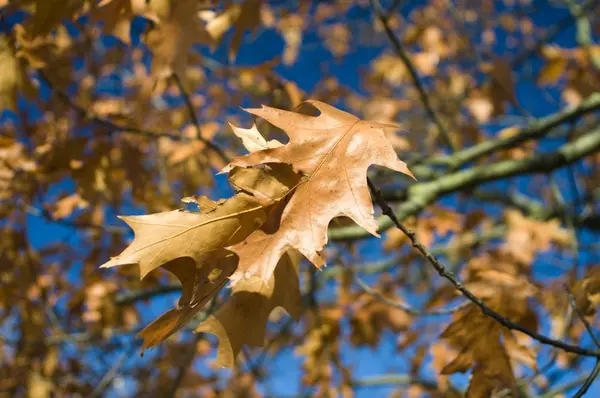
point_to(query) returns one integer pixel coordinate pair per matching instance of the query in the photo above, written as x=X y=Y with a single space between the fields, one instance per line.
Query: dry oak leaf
x=199 y=285
x=587 y=292
x=333 y=151
x=190 y=245
x=479 y=341
x=163 y=237
x=484 y=346
x=243 y=319
x=11 y=77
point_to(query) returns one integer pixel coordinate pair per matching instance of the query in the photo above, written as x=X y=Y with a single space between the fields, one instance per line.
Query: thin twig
x=393 y=8
x=551 y=33
x=111 y=374
x=588 y=382
x=422 y=194
x=406 y=308
x=115 y=128
x=45 y=214
x=581 y=316
x=441 y=269
x=188 y=102
x=404 y=57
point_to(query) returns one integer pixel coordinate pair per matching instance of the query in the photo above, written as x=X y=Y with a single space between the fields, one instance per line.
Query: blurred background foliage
x=122 y=107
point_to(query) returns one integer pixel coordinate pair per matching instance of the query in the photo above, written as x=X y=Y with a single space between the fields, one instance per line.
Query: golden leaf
x=333 y=151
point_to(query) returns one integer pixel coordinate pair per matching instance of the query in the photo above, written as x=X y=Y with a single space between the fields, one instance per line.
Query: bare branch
x=112 y=373
x=441 y=269
x=581 y=316
x=404 y=57
x=422 y=194
x=115 y=128
x=392 y=379
x=588 y=382
x=404 y=307
x=533 y=130
x=196 y=122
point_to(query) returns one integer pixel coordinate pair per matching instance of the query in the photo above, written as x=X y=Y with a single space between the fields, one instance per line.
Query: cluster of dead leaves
x=479 y=343
x=576 y=68
x=286 y=197
x=502 y=279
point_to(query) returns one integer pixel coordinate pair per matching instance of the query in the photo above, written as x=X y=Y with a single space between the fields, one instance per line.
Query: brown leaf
x=479 y=338
x=334 y=151
x=162 y=237
x=116 y=16
x=199 y=285
x=190 y=245
x=243 y=319
x=49 y=14
x=587 y=292
x=179 y=27
x=526 y=236
x=243 y=17
x=67 y=205
x=503 y=83
x=11 y=74
x=552 y=71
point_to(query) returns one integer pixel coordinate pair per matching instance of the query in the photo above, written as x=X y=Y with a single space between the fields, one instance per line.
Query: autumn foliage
x=204 y=183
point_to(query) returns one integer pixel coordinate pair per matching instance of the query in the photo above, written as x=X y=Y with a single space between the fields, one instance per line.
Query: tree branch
x=422 y=194
x=188 y=102
x=406 y=308
x=581 y=316
x=115 y=128
x=534 y=130
x=392 y=379
x=441 y=269
x=404 y=57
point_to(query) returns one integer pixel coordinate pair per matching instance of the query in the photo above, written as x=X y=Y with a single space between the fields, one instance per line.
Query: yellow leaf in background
x=178 y=28
x=587 y=292
x=242 y=17
x=480 y=107
x=291 y=29
x=11 y=75
x=552 y=71
x=116 y=16
x=67 y=205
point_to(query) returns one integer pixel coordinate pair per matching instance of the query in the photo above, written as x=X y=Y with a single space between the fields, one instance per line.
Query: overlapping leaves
x=287 y=196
